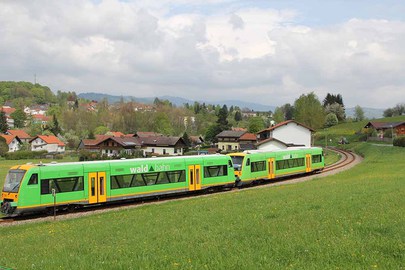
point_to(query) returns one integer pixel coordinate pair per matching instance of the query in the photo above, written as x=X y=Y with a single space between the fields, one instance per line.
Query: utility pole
x=35 y=79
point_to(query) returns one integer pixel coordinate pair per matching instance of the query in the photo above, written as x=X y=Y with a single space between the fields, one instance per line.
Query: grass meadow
x=352 y=220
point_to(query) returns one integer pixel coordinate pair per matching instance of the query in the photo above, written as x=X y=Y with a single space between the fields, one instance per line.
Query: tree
x=55 y=128
x=3 y=122
x=101 y=130
x=278 y=115
x=186 y=140
x=212 y=132
x=358 y=113
x=222 y=121
x=388 y=112
x=336 y=109
x=309 y=111
x=19 y=117
x=3 y=146
x=256 y=124
x=331 y=120
x=238 y=116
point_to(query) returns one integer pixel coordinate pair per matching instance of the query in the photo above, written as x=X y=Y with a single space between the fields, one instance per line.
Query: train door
x=271 y=168
x=97 y=187
x=308 y=162
x=194 y=177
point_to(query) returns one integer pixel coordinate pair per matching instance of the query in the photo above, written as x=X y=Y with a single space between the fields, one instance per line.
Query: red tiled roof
x=7 y=110
x=50 y=139
x=248 y=137
x=9 y=138
x=147 y=134
x=19 y=133
x=41 y=117
x=284 y=123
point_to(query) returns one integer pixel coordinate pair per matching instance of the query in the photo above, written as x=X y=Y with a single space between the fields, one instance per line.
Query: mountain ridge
x=369 y=113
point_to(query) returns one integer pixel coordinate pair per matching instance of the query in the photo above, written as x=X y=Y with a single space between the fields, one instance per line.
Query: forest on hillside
x=75 y=119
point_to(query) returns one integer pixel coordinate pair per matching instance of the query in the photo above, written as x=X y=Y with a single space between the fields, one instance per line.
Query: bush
x=399 y=141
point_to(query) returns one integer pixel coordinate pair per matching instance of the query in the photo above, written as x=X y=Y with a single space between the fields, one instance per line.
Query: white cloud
x=249 y=53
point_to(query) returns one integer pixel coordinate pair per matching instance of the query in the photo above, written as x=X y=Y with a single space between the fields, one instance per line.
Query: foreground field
x=354 y=220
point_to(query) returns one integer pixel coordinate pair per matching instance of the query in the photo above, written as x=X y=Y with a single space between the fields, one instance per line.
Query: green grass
x=353 y=220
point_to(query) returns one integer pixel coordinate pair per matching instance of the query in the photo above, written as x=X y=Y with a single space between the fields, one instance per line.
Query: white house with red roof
x=21 y=134
x=49 y=143
x=8 y=111
x=13 y=142
x=283 y=135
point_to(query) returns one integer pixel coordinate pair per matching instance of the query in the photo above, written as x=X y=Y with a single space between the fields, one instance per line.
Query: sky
x=267 y=52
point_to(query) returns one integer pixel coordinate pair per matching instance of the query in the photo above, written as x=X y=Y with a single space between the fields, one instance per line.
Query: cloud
x=165 y=48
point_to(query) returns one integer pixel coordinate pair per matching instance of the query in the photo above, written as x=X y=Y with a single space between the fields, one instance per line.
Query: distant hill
x=178 y=101
x=369 y=113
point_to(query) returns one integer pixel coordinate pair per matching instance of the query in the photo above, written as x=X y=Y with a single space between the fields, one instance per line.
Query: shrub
x=399 y=141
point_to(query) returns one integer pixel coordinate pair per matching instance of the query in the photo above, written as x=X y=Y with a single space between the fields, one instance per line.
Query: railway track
x=347 y=159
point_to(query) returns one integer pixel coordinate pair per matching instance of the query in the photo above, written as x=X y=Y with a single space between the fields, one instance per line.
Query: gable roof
x=7 y=110
x=283 y=124
x=49 y=139
x=9 y=138
x=19 y=133
x=231 y=134
x=383 y=125
x=123 y=141
x=248 y=137
x=161 y=141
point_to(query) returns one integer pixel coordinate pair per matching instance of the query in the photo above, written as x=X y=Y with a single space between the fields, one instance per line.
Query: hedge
x=399 y=141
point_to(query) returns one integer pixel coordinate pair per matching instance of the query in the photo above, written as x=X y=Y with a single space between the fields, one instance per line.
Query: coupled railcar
x=257 y=165
x=32 y=188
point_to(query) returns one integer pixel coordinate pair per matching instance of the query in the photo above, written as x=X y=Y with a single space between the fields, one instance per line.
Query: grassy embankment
x=353 y=220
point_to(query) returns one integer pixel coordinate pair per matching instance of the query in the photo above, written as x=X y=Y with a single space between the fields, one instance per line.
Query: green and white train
x=33 y=188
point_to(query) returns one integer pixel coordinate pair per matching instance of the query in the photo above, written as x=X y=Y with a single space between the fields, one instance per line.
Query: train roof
x=153 y=159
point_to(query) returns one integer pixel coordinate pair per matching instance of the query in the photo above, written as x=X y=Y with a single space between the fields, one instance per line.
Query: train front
x=9 y=195
x=237 y=160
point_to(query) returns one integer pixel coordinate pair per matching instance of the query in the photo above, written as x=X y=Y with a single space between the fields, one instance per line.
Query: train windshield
x=237 y=162
x=13 y=180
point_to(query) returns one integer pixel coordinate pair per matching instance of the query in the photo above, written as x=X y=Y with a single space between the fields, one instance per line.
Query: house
x=290 y=133
x=40 y=119
x=110 y=145
x=8 y=111
x=13 y=142
x=235 y=140
x=21 y=134
x=272 y=144
x=49 y=143
x=162 y=145
x=196 y=141
x=395 y=128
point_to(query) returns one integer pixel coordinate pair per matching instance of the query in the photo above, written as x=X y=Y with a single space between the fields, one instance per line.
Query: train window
x=258 y=166
x=60 y=185
x=290 y=163
x=316 y=158
x=248 y=162
x=101 y=185
x=147 y=179
x=215 y=171
x=33 y=179
x=230 y=164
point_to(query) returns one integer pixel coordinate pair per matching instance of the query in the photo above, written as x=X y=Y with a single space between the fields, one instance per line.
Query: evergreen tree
x=3 y=122
x=55 y=128
x=238 y=116
x=222 y=121
x=186 y=140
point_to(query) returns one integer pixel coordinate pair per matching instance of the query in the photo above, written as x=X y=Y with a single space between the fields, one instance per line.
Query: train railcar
x=257 y=165
x=32 y=188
